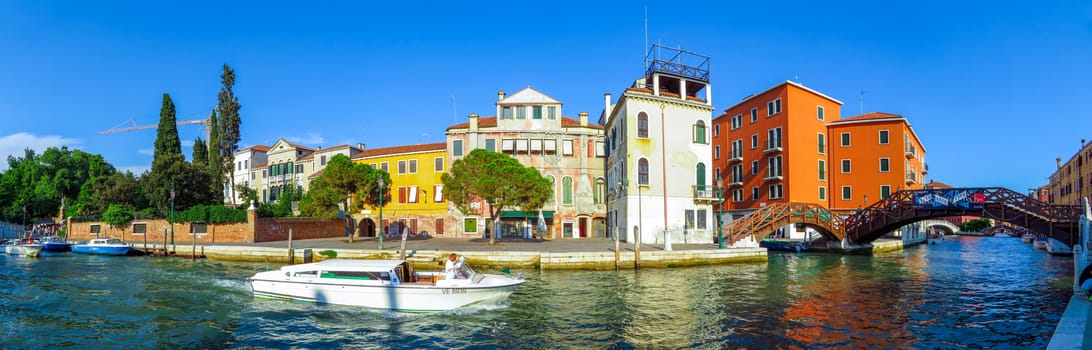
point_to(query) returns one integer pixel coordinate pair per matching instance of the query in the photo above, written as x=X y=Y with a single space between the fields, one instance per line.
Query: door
x=583 y=227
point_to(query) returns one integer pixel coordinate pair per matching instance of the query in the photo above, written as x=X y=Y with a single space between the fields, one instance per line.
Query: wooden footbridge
x=905 y=207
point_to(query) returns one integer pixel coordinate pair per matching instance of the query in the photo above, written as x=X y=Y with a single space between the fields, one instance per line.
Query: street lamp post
x=381 y=184
x=720 y=199
x=172 y=219
x=23 y=235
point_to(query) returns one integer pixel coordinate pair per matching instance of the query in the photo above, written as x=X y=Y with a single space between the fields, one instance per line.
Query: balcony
x=770 y=177
x=925 y=169
x=772 y=147
x=708 y=193
x=911 y=152
x=735 y=157
x=911 y=178
x=735 y=183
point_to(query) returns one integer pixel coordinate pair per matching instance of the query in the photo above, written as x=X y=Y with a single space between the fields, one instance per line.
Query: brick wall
x=154 y=232
x=276 y=229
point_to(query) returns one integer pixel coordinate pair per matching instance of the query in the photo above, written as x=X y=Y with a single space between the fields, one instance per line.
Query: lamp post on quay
x=172 y=218
x=720 y=224
x=382 y=183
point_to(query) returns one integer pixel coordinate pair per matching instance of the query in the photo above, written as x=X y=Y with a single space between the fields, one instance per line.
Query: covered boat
x=22 y=248
x=103 y=246
x=1040 y=243
x=784 y=245
x=383 y=284
x=54 y=244
x=1056 y=247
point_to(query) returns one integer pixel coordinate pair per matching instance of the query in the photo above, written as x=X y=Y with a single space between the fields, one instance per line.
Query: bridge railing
x=762 y=222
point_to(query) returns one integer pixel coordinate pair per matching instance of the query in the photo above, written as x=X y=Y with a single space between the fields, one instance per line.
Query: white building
x=659 y=154
x=245 y=160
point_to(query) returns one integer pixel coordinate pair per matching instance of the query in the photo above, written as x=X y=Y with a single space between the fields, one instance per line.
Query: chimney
x=360 y=146
x=474 y=121
x=500 y=95
x=606 y=106
x=1059 y=159
x=583 y=118
x=1082 y=143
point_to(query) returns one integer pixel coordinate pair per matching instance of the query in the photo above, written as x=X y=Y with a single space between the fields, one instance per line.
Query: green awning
x=530 y=214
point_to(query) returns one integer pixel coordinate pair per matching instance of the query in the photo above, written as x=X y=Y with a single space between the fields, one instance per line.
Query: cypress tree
x=229 y=123
x=166 y=138
x=200 y=152
x=214 y=164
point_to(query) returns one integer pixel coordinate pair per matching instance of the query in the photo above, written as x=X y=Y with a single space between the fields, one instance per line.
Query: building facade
x=530 y=126
x=1071 y=180
x=417 y=193
x=873 y=155
x=659 y=163
x=245 y=161
x=286 y=164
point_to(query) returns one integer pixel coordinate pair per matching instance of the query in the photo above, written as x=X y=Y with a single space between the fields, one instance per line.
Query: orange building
x=773 y=147
x=871 y=156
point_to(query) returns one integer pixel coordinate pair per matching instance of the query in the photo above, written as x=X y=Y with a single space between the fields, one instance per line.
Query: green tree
x=347 y=185
x=496 y=179
x=40 y=183
x=249 y=195
x=114 y=189
x=229 y=122
x=215 y=166
x=166 y=137
x=976 y=225
x=200 y=153
x=118 y=216
x=190 y=183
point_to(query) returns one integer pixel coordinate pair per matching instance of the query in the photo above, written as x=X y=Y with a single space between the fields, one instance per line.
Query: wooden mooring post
x=291 y=253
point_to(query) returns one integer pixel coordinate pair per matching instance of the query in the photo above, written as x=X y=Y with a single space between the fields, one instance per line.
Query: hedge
x=213 y=214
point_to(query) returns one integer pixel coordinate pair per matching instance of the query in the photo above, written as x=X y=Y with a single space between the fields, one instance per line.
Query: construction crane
x=203 y=122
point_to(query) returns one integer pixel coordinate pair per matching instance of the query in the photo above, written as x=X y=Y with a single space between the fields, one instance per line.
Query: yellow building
x=417 y=196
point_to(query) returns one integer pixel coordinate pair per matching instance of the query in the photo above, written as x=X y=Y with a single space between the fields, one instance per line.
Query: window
x=885 y=191
x=322 y=160
x=199 y=228
x=384 y=167
x=822 y=170
x=737 y=149
x=845 y=139
x=438 y=193
x=847 y=193
x=689 y=214
x=412 y=166
x=775 y=191
x=737 y=195
x=521 y=146
x=470 y=225
x=508 y=146
x=774 y=171
x=822 y=193
x=567 y=147
x=737 y=121
x=642 y=171
x=140 y=229
x=521 y=112
x=716 y=130
x=491 y=145
x=716 y=173
x=737 y=174
x=553 y=188
x=754 y=115
x=600 y=149
x=700 y=180
x=438 y=164
x=699 y=132
x=536 y=112
x=550 y=146
x=642 y=125
x=702 y=220
x=299 y=169
x=401 y=167
x=600 y=191
x=774 y=138
x=551 y=112
x=456 y=148
x=822 y=143
x=754 y=193
x=845 y=166
x=566 y=190
x=883 y=137
x=567 y=229
x=773 y=107
x=754 y=141
x=885 y=165
x=819 y=112
x=716 y=152
x=506 y=113
x=754 y=167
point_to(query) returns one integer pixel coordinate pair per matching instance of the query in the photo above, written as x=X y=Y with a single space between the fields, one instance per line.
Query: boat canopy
x=346 y=265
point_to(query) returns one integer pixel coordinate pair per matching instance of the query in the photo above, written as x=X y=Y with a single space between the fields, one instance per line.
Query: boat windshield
x=463 y=270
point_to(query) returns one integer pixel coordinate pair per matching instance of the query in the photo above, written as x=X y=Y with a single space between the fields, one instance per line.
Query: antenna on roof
x=454 y=111
x=424 y=137
x=643 y=52
x=862 y=101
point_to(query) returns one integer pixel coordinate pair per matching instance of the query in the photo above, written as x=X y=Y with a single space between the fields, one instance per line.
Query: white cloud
x=187 y=143
x=308 y=138
x=135 y=169
x=14 y=144
x=146 y=151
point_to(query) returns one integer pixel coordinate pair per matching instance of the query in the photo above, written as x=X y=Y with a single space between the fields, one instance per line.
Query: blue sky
x=995 y=90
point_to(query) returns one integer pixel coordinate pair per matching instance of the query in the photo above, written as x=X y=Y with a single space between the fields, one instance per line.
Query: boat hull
x=1040 y=243
x=100 y=250
x=786 y=246
x=408 y=297
x=23 y=250
x=56 y=247
x=1056 y=247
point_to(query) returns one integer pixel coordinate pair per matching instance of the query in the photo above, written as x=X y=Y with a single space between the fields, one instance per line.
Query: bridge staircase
x=750 y=229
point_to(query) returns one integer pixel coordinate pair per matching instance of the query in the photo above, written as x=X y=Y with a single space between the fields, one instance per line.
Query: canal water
x=967 y=292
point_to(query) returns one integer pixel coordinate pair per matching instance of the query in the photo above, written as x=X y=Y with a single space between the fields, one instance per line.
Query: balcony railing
x=735 y=157
x=911 y=152
x=772 y=146
x=772 y=177
x=708 y=193
x=911 y=178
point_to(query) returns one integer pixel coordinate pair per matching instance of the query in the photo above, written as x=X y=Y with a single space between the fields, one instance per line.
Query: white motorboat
x=15 y=247
x=1040 y=243
x=1056 y=247
x=383 y=284
x=1027 y=238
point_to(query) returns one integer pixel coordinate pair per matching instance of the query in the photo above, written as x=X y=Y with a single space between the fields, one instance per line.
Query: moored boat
x=54 y=244
x=1040 y=243
x=1027 y=238
x=17 y=247
x=1056 y=247
x=784 y=245
x=383 y=284
x=103 y=246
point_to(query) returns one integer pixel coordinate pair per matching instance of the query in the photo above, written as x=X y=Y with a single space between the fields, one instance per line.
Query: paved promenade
x=481 y=245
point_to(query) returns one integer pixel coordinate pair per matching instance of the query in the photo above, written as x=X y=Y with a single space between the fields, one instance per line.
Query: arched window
x=553 y=188
x=642 y=171
x=600 y=190
x=700 y=169
x=642 y=125
x=566 y=190
x=699 y=132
